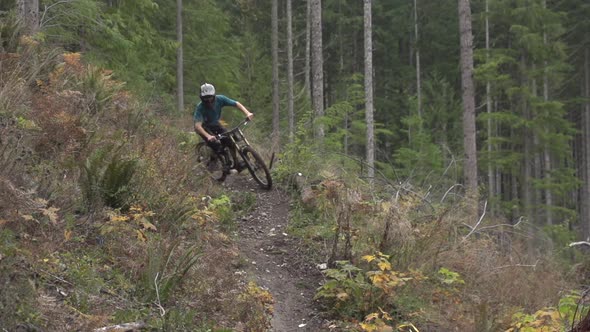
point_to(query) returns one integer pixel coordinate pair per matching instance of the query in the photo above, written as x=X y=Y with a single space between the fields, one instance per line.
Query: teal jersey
x=208 y=115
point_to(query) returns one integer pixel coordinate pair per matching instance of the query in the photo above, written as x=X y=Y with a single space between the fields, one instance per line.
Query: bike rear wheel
x=257 y=167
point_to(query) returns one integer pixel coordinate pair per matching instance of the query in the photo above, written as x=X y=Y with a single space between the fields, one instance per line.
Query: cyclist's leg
x=217 y=146
x=214 y=145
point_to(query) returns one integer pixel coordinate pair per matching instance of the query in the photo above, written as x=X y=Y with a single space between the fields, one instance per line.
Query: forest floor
x=276 y=261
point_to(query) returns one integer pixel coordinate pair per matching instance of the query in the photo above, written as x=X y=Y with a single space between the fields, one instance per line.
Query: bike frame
x=237 y=137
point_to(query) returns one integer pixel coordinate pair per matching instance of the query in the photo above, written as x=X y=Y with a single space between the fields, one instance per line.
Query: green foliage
x=65 y=22
x=17 y=288
x=106 y=178
x=354 y=292
x=222 y=207
x=558 y=318
x=167 y=265
x=449 y=277
x=100 y=88
x=345 y=291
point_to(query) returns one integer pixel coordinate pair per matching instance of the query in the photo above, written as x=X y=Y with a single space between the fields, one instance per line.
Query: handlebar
x=233 y=130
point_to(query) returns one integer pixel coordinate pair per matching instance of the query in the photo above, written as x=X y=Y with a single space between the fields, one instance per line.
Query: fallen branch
x=121 y=327
x=580 y=243
x=534 y=266
x=159 y=304
x=500 y=225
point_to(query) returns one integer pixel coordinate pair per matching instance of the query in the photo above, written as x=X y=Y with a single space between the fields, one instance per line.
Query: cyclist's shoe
x=211 y=166
x=240 y=166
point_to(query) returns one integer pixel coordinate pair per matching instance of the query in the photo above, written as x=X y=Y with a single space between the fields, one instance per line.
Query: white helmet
x=207 y=90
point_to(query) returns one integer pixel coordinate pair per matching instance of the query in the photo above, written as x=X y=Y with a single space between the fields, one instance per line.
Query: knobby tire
x=257 y=167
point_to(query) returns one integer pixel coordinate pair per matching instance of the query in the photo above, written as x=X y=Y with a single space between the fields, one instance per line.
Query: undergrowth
x=104 y=217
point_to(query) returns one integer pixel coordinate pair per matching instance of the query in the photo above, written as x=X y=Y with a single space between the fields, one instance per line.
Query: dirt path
x=275 y=260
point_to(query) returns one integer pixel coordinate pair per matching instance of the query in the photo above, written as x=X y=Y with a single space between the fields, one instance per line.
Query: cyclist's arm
x=244 y=110
x=200 y=130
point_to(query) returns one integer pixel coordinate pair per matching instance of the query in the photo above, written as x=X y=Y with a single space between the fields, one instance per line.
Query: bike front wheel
x=209 y=160
x=257 y=167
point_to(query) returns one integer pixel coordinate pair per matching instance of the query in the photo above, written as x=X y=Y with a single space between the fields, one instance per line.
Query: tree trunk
x=308 y=51
x=369 y=91
x=28 y=12
x=468 y=96
x=536 y=168
x=585 y=147
x=275 y=75
x=491 y=174
x=546 y=151
x=418 y=81
x=179 y=59
x=290 y=98
x=317 y=70
x=527 y=153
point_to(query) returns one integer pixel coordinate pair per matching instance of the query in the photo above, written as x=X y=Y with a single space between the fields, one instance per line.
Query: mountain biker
x=208 y=113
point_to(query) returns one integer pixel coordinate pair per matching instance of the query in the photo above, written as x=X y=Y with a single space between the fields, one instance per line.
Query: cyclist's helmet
x=207 y=93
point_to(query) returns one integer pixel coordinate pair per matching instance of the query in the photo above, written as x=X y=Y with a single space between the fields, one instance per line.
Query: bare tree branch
x=580 y=243
x=478 y=222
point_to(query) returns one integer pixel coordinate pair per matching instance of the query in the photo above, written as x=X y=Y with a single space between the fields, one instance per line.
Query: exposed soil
x=277 y=261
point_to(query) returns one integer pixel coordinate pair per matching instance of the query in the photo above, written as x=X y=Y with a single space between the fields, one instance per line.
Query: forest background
x=81 y=76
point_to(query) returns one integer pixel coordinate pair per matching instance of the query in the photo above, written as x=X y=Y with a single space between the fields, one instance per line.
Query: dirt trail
x=275 y=259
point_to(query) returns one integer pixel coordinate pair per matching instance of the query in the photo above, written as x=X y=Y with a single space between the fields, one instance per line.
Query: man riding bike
x=207 y=115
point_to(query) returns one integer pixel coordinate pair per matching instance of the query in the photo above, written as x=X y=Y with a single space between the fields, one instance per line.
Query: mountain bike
x=221 y=164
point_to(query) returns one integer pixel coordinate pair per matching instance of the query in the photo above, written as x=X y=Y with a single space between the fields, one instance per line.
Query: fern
x=106 y=178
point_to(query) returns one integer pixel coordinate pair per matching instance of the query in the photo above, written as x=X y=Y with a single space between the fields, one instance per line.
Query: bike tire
x=257 y=167
x=209 y=161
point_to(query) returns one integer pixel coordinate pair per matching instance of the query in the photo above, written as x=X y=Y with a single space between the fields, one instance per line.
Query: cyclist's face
x=209 y=100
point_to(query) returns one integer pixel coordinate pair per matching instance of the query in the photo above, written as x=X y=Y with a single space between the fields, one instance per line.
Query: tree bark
x=317 y=71
x=418 y=74
x=491 y=173
x=275 y=75
x=179 y=59
x=28 y=12
x=468 y=96
x=585 y=148
x=527 y=172
x=308 y=51
x=370 y=149
x=290 y=98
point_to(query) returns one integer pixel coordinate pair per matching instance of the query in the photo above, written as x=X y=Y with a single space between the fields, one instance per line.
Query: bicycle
x=223 y=162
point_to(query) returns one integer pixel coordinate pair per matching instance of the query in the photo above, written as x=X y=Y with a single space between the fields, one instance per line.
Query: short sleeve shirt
x=212 y=115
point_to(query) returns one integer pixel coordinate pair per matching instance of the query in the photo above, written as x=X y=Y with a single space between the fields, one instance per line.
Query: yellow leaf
x=67 y=234
x=27 y=217
x=3 y=222
x=372 y=316
x=119 y=218
x=342 y=296
x=51 y=213
x=368 y=327
x=384 y=265
x=41 y=201
x=147 y=225
x=369 y=258
x=141 y=236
